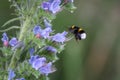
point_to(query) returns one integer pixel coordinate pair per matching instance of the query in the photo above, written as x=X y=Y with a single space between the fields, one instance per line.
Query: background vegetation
x=97 y=57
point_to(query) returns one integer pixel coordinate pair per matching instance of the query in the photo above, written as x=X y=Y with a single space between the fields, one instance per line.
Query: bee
x=78 y=32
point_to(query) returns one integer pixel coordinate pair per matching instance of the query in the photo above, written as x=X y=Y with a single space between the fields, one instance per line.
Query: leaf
x=12 y=27
x=11 y=20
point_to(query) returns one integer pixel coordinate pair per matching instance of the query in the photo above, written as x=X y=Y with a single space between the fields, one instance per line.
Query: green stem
x=13 y=61
x=23 y=31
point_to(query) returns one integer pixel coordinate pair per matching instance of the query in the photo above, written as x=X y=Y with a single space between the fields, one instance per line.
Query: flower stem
x=16 y=53
x=13 y=61
x=24 y=29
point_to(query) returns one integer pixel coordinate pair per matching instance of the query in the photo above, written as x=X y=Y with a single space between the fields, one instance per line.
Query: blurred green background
x=97 y=57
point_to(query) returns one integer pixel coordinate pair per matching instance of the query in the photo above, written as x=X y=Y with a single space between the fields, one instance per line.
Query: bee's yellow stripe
x=80 y=29
x=73 y=26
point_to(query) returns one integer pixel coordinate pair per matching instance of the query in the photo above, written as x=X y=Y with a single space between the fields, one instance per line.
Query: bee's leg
x=78 y=36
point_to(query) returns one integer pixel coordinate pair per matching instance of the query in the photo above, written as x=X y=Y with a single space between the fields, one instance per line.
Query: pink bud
x=5 y=43
x=37 y=36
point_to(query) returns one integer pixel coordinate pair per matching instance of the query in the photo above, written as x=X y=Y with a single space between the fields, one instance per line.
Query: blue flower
x=46 y=32
x=11 y=74
x=47 y=68
x=37 y=61
x=51 y=49
x=60 y=37
x=5 y=39
x=45 y=5
x=13 y=42
x=55 y=6
x=52 y=6
x=43 y=32
x=37 y=30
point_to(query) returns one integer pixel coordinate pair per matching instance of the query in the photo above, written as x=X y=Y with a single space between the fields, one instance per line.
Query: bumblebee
x=78 y=32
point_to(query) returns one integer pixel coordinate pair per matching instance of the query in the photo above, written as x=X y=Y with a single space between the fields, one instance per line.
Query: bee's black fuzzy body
x=78 y=32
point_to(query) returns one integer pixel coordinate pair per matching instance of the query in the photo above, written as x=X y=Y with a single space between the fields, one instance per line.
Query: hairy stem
x=23 y=31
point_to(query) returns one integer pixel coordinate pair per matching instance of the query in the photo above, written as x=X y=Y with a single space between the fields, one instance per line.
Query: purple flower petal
x=55 y=6
x=46 y=32
x=37 y=30
x=33 y=58
x=37 y=62
x=45 y=5
x=59 y=37
x=5 y=37
x=47 y=68
x=50 y=1
x=13 y=42
x=51 y=49
x=11 y=74
x=52 y=6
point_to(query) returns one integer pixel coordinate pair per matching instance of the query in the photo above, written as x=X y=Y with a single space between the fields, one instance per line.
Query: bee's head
x=73 y=28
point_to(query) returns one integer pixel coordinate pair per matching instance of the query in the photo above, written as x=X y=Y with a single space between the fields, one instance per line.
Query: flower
x=55 y=6
x=45 y=5
x=11 y=74
x=51 y=49
x=60 y=37
x=47 y=68
x=37 y=30
x=5 y=39
x=52 y=6
x=45 y=33
x=13 y=42
x=37 y=61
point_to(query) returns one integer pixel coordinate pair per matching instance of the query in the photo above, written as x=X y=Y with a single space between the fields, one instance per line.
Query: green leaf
x=12 y=27
x=6 y=51
x=36 y=74
x=11 y=20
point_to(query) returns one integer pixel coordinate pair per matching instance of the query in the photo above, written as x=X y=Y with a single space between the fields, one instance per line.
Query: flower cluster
x=13 y=42
x=51 y=5
x=35 y=48
x=40 y=64
x=45 y=33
